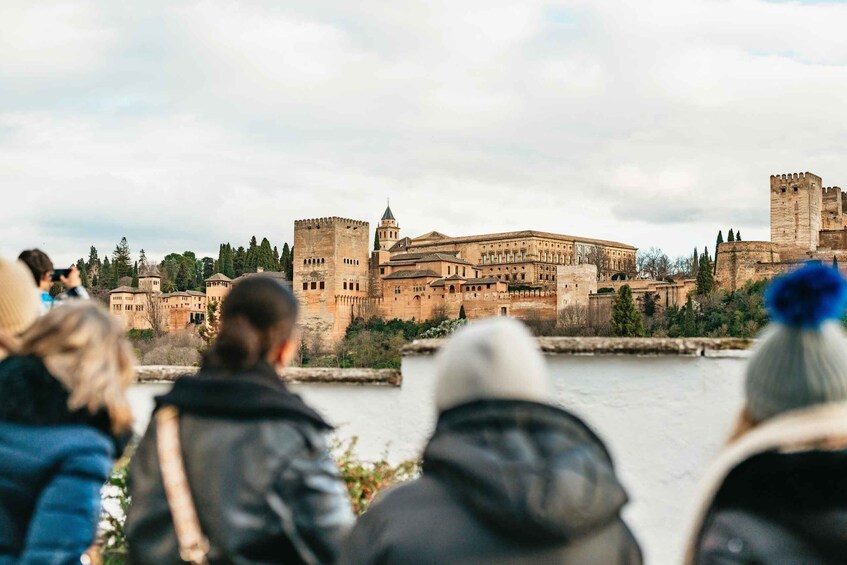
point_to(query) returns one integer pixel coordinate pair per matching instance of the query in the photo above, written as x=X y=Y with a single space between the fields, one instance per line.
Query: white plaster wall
x=663 y=418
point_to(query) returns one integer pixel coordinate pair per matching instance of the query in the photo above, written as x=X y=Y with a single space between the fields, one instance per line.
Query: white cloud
x=654 y=122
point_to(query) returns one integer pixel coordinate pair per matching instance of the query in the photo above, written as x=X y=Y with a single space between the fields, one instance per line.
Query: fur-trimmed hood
x=822 y=428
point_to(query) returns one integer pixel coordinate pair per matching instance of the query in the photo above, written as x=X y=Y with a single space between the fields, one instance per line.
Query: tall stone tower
x=796 y=202
x=330 y=275
x=388 y=230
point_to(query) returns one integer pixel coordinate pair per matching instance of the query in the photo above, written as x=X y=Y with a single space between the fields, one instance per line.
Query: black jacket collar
x=30 y=395
x=251 y=394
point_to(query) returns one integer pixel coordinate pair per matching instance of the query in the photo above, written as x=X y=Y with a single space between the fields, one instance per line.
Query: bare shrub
x=178 y=348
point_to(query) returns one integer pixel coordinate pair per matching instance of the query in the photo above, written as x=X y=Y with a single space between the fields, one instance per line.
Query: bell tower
x=388 y=230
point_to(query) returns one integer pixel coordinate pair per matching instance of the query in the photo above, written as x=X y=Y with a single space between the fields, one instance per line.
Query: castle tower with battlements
x=796 y=202
x=330 y=274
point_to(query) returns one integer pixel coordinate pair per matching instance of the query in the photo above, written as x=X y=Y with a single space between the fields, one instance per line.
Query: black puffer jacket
x=780 y=498
x=503 y=482
x=265 y=488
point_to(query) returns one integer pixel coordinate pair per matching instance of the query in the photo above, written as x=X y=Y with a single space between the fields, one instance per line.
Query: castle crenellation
x=808 y=222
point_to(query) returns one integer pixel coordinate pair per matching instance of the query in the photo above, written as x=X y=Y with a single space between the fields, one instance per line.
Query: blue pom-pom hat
x=801 y=358
x=807 y=297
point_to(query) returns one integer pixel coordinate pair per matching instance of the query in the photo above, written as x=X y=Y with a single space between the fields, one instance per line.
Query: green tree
x=695 y=264
x=626 y=320
x=289 y=272
x=717 y=249
x=239 y=261
x=462 y=315
x=835 y=262
x=376 y=241
x=105 y=275
x=208 y=267
x=264 y=256
x=143 y=265
x=229 y=262
x=121 y=262
x=738 y=235
x=285 y=259
x=277 y=264
x=705 y=278
x=731 y=236
x=135 y=275
x=689 y=327
x=83 y=271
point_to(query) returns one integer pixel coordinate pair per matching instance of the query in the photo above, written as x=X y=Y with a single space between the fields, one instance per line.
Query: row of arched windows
x=314 y=261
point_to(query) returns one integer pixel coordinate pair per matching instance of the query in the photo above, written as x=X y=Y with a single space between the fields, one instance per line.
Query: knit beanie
x=491 y=359
x=801 y=357
x=19 y=302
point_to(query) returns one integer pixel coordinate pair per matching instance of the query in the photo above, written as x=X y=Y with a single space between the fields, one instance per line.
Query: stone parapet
x=299 y=375
x=640 y=346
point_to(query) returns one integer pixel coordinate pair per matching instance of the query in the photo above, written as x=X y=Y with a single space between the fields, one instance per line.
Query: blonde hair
x=85 y=349
x=743 y=424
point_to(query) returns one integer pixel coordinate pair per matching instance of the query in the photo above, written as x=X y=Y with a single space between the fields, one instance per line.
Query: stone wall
x=740 y=262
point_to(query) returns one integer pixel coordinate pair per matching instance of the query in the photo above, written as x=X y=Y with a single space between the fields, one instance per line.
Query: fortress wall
x=738 y=262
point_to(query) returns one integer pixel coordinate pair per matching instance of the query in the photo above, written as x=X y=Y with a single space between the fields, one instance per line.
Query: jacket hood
x=30 y=395
x=533 y=471
x=253 y=393
x=787 y=446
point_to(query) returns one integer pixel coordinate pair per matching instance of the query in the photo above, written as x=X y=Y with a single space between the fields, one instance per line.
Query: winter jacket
x=263 y=483
x=778 y=494
x=503 y=482
x=53 y=463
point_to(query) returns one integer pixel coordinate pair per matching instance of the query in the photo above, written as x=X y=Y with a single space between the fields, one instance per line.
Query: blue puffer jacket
x=52 y=465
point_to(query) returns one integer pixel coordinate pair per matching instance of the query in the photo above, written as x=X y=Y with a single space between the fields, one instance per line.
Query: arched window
x=452 y=289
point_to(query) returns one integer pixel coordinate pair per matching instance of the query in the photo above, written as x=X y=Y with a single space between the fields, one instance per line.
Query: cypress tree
x=376 y=241
x=705 y=279
x=738 y=235
x=717 y=248
x=835 y=262
x=276 y=259
x=289 y=272
x=731 y=236
x=229 y=262
x=135 y=275
x=695 y=264
x=689 y=328
x=105 y=275
x=239 y=261
x=626 y=320
x=462 y=315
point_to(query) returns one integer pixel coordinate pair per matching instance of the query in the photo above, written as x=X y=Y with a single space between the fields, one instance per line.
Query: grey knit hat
x=801 y=357
x=491 y=359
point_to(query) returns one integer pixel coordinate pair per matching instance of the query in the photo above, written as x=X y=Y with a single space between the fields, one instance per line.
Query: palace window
x=322 y=285
x=314 y=285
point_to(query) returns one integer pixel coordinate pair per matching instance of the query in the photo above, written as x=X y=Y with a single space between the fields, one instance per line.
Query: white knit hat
x=491 y=359
x=801 y=357
x=19 y=302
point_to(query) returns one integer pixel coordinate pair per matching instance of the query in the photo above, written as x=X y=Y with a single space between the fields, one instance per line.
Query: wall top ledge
x=294 y=375
x=638 y=346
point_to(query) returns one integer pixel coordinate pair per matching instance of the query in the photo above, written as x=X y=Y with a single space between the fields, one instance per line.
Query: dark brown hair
x=257 y=316
x=38 y=262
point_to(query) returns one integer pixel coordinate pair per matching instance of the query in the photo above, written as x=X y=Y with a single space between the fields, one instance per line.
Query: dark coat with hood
x=503 y=482
x=778 y=494
x=53 y=463
x=265 y=488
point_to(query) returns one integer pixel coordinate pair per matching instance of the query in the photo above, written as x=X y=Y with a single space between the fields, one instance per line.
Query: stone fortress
x=808 y=222
x=338 y=278
x=525 y=274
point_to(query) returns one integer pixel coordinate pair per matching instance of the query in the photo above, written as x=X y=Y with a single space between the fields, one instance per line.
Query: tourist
x=64 y=418
x=262 y=486
x=507 y=477
x=778 y=494
x=45 y=277
x=18 y=304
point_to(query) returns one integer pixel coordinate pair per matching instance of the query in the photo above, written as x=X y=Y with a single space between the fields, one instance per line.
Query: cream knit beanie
x=18 y=297
x=801 y=357
x=491 y=359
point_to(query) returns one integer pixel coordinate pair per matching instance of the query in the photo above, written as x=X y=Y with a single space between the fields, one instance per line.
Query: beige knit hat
x=18 y=297
x=493 y=359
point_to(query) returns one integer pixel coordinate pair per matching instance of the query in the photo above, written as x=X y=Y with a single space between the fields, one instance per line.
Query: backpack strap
x=193 y=545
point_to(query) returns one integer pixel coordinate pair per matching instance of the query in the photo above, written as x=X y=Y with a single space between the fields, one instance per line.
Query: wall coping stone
x=295 y=375
x=637 y=346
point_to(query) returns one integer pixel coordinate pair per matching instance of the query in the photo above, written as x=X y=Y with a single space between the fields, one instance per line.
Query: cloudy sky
x=184 y=124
